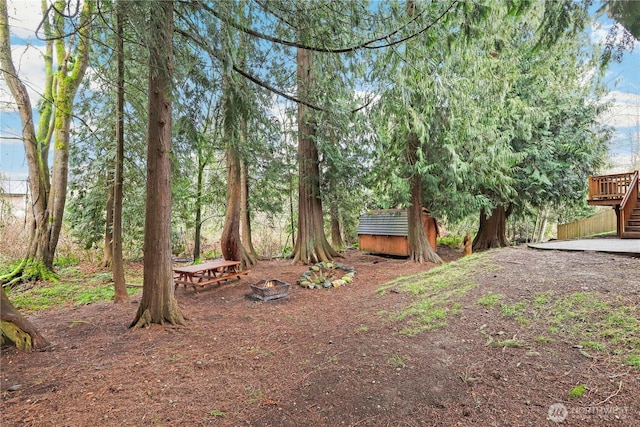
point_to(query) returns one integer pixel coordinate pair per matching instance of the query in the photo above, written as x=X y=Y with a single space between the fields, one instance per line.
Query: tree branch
x=369 y=44
x=243 y=73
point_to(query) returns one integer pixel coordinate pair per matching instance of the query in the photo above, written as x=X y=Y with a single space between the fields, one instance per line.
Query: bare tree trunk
x=158 y=303
x=16 y=330
x=419 y=248
x=492 y=232
x=119 y=283
x=336 y=230
x=334 y=209
x=107 y=255
x=245 y=216
x=198 y=230
x=311 y=245
x=541 y=223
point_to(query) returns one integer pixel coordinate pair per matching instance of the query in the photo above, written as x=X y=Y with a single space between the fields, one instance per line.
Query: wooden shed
x=386 y=231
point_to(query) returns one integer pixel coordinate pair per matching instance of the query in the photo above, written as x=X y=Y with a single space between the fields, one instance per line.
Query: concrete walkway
x=614 y=246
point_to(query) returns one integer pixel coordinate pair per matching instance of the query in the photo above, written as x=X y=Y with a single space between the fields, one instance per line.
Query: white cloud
x=626 y=97
x=599 y=32
x=622 y=163
x=30 y=67
x=624 y=111
x=24 y=18
x=26 y=50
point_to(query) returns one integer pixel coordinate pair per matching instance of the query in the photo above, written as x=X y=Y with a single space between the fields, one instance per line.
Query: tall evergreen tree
x=158 y=303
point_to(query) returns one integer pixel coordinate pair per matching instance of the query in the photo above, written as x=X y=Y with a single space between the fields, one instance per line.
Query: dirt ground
x=327 y=358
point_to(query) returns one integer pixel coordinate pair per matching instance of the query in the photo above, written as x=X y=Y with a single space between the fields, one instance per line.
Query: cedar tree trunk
x=311 y=245
x=230 y=241
x=158 y=303
x=419 y=248
x=119 y=284
x=245 y=217
x=492 y=232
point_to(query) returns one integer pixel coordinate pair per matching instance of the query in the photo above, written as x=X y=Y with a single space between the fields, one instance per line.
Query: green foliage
x=496 y=96
x=592 y=345
x=7 y=267
x=453 y=241
x=66 y=261
x=497 y=124
x=178 y=245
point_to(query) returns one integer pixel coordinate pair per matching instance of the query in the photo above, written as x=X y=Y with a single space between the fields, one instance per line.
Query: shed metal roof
x=384 y=223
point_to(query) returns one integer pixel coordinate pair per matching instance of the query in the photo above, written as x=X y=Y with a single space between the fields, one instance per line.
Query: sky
x=623 y=80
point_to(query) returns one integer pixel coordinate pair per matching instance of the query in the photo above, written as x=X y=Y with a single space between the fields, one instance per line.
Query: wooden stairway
x=622 y=192
x=632 y=227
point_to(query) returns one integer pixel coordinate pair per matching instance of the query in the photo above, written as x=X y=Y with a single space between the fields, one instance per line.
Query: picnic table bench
x=200 y=275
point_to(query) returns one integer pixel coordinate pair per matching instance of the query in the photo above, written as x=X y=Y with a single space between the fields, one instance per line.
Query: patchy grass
x=516 y=311
x=397 y=361
x=543 y=340
x=74 y=287
x=61 y=294
x=633 y=360
x=577 y=391
x=438 y=291
x=599 y=322
x=217 y=413
x=489 y=300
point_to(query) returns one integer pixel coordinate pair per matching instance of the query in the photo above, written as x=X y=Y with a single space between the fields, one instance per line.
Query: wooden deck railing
x=610 y=189
x=628 y=203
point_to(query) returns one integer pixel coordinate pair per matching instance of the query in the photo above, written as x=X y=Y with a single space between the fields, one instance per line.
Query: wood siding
x=385 y=232
x=388 y=245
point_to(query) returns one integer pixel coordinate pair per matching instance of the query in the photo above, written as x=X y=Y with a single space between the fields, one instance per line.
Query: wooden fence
x=603 y=222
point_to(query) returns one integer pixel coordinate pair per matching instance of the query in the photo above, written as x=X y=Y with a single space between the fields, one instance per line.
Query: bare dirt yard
x=529 y=338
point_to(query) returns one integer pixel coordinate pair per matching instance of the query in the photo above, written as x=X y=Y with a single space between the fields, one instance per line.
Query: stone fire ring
x=326 y=275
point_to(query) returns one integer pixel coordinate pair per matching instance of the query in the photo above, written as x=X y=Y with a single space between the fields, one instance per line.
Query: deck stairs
x=622 y=192
x=632 y=227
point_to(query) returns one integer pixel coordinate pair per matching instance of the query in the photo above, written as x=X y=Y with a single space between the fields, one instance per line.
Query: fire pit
x=268 y=289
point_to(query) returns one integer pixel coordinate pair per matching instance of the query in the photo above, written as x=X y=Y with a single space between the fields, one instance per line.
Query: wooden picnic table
x=207 y=273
